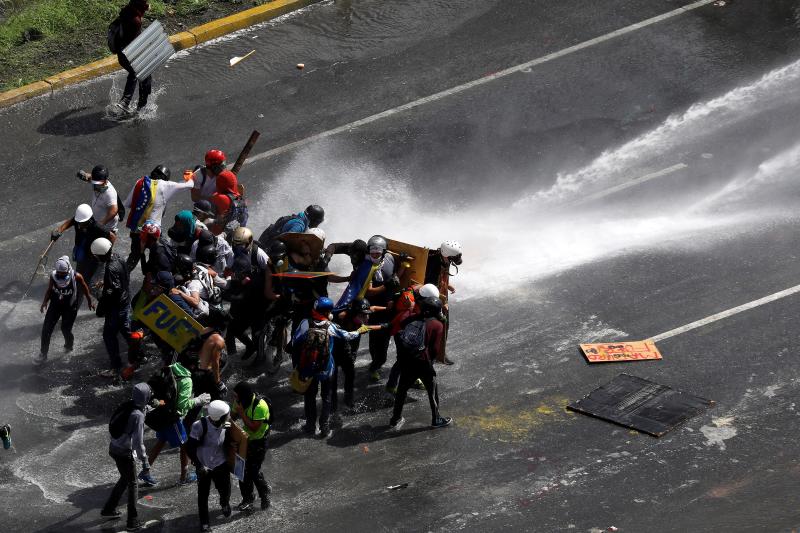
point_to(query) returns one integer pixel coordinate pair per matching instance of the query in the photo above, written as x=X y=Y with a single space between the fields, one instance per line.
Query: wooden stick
x=245 y=152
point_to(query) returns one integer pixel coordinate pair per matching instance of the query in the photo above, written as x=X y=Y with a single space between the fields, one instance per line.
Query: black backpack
x=114 y=35
x=411 y=339
x=164 y=387
x=237 y=212
x=273 y=230
x=119 y=420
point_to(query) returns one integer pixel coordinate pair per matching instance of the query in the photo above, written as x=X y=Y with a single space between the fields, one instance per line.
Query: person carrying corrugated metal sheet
x=122 y=32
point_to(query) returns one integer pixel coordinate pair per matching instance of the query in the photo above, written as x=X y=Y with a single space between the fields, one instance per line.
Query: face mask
x=375 y=260
x=100 y=188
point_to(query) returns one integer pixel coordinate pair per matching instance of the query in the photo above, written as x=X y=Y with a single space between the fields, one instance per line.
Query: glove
x=55 y=235
x=363 y=329
x=83 y=175
x=203 y=399
x=222 y=389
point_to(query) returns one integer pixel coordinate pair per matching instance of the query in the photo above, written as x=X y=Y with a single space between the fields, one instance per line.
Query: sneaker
x=265 y=503
x=441 y=422
x=110 y=513
x=448 y=361
x=226 y=511
x=245 y=506
x=146 y=479
x=419 y=385
x=205 y=528
x=123 y=107
x=39 y=359
x=397 y=424
x=324 y=433
x=375 y=375
x=134 y=526
x=391 y=390
x=190 y=478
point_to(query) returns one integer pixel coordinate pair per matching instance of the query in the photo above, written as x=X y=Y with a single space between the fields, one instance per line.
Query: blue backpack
x=237 y=213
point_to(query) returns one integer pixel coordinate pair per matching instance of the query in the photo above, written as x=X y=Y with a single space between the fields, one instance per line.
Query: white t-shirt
x=165 y=190
x=101 y=202
x=224 y=254
x=207 y=188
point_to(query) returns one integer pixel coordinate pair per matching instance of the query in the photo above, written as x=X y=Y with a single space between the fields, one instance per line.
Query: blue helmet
x=323 y=305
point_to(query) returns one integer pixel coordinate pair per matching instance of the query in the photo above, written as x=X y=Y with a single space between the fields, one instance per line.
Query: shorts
x=174 y=435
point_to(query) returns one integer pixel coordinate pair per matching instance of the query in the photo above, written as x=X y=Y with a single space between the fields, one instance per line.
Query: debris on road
x=301 y=66
x=397 y=487
x=621 y=351
x=236 y=60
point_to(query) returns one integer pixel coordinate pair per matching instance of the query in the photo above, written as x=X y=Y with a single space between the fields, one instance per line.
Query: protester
x=418 y=345
x=206 y=448
x=146 y=202
x=205 y=177
x=104 y=202
x=345 y=352
x=130 y=18
x=438 y=273
x=311 y=217
x=229 y=206
x=255 y=415
x=223 y=250
x=87 y=230
x=115 y=304
x=126 y=447
x=61 y=302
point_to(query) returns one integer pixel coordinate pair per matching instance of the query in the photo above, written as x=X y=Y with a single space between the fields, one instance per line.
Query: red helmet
x=215 y=157
x=150 y=233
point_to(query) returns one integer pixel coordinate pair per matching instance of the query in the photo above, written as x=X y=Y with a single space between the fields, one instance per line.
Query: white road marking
x=628 y=184
x=523 y=67
x=725 y=314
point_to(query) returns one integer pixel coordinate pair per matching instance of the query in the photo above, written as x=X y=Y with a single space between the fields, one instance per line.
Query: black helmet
x=184 y=264
x=161 y=172
x=206 y=254
x=431 y=306
x=315 y=215
x=203 y=207
x=277 y=250
x=206 y=238
x=99 y=173
x=360 y=306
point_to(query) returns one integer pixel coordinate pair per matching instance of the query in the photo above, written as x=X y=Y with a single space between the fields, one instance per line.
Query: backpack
x=164 y=387
x=214 y=292
x=411 y=339
x=273 y=230
x=315 y=353
x=119 y=420
x=237 y=213
x=114 y=35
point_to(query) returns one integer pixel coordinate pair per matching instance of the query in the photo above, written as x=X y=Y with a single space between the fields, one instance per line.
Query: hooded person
x=127 y=447
x=183 y=232
x=254 y=414
x=61 y=302
x=224 y=199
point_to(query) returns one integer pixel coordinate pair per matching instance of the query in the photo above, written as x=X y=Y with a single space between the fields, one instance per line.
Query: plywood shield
x=418 y=259
x=304 y=248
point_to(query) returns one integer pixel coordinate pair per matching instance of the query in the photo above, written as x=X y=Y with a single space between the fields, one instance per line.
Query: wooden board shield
x=612 y=352
x=640 y=404
x=304 y=248
x=415 y=275
x=171 y=323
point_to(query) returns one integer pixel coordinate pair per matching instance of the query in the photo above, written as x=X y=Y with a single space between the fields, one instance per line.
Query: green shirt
x=257 y=412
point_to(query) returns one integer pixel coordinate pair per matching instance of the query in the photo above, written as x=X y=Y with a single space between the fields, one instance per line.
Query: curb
x=181 y=41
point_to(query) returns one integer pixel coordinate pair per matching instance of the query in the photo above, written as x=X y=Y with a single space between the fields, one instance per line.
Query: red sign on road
x=621 y=351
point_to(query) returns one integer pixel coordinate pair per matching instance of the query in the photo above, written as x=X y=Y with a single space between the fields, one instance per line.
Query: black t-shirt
x=85 y=236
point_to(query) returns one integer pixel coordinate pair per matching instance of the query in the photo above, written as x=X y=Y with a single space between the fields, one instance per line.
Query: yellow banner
x=171 y=323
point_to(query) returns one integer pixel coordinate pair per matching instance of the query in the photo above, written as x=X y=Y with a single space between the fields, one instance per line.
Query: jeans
x=145 y=85
x=311 y=403
x=344 y=353
x=221 y=476
x=67 y=315
x=411 y=369
x=117 y=320
x=379 y=342
x=127 y=480
x=256 y=451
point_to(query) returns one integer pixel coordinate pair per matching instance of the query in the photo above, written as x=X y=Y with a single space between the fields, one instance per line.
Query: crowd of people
x=270 y=294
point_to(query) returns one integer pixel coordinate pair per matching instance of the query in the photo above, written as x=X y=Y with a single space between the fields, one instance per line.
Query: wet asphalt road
x=503 y=167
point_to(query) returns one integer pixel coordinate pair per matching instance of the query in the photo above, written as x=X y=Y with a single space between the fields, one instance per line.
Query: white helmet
x=101 y=246
x=450 y=248
x=217 y=409
x=429 y=290
x=320 y=233
x=83 y=213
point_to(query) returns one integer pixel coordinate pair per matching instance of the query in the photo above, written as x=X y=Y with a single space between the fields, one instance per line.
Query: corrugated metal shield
x=149 y=50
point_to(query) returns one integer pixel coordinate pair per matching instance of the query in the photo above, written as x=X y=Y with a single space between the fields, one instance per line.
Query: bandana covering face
x=63 y=266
